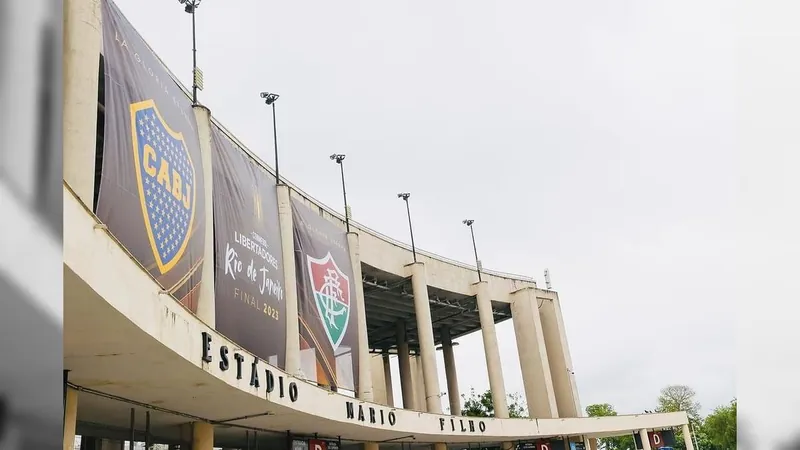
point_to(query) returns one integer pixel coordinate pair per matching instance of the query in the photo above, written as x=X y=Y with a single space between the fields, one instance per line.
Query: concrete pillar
x=687 y=437
x=645 y=440
x=558 y=356
x=202 y=436
x=592 y=444
x=422 y=309
x=404 y=361
x=81 y=68
x=387 y=377
x=378 y=381
x=206 y=303
x=491 y=349
x=292 y=362
x=533 y=355
x=419 y=384
x=453 y=394
x=70 y=417
x=364 y=391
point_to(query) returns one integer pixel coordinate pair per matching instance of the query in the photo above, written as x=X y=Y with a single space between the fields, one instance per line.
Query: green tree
x=480 y=405
x=720 y=427
x=615 y=443
x=678 y=397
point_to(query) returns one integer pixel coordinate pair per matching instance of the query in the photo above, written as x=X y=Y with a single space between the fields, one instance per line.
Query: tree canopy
x=720 y=426
x=678 y=397
x=480 y=405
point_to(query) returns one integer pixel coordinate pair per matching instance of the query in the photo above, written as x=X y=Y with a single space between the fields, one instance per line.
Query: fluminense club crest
x=331 y=295
x=165 y=177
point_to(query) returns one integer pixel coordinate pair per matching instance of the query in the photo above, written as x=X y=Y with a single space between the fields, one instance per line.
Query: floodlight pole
x=339 y=159
x=270 y=99
x=469 y=222
x=405 y=196
x=190 y=7
x=275 y=140
x=194 y=54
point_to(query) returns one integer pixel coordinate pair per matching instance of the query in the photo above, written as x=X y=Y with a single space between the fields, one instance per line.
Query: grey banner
x=326 y=299
x=249 y=265
x=151 y=185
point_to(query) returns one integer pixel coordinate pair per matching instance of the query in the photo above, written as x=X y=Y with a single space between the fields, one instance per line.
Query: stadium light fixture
x=270 y=98
x=190 y=6
x=469 y=222
x=339 y=159
x=405 y=196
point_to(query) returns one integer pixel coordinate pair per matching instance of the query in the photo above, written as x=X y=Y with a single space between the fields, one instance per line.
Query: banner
x=247 y=242
x=658 y=439
x=326 y=300
x=151 y=185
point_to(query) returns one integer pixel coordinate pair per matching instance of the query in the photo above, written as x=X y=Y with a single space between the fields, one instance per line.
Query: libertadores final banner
x=151 y=185
x=250 y=307
x=326 y=300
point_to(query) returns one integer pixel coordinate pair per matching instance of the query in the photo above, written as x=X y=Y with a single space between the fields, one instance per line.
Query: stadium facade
x=208 y=304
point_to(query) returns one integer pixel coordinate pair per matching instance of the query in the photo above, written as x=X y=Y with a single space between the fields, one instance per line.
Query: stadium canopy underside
x=388 y=300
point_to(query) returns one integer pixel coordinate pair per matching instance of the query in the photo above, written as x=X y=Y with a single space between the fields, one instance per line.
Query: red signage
x=656 y=440
x=316 y=444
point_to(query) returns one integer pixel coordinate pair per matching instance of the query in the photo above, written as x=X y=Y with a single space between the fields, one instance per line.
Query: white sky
x=592 y=138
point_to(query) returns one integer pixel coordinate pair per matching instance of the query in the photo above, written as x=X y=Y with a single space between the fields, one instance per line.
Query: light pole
x=405 y=196
x=270 y=99
x=469 y=222
x=339 y=159
x=190 y=6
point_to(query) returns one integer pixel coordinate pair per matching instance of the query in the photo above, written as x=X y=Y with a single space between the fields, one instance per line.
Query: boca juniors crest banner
x=151 y=185
x=326 y=300
x=249 y=265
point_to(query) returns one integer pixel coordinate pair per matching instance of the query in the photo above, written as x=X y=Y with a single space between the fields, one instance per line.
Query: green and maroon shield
x=331 y=289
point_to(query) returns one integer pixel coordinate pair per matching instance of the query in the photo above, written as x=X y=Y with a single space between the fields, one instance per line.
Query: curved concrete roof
x=126 y=337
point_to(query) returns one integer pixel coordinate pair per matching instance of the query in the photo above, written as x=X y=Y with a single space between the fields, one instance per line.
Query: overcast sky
x=591 y=138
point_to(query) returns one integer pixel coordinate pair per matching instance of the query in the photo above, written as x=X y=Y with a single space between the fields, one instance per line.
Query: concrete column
x=419 y=383
x=450 y=371
x=202 y=436
x=364 y=391
x=81 y=68
x=645 y=439
x=491 y=349
x=70 y=417
x=378 y=381
x=404 y=361
x=206 y=303
x=387 y=377
x=592 y=444
x=533 y=355
x=555 y=341
x=292 y=362
x=422 y=309
x=687 y=437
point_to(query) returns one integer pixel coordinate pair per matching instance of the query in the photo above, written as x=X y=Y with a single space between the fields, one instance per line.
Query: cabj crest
x=332 y=297
x=166 y=178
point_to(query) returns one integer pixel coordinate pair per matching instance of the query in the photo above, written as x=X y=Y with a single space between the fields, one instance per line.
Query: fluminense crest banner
x=151 y=185
x=326 y=300
x=249 y=290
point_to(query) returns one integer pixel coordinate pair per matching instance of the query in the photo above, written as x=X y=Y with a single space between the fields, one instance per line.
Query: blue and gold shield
x=166 y=180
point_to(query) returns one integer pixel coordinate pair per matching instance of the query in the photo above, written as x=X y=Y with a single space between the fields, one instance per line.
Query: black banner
x=151 y=187
x=326 y=299
x=247 y=242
